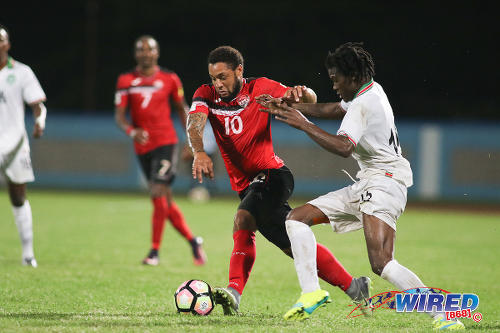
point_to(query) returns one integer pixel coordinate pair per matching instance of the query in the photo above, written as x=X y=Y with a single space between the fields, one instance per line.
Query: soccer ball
x=194 y=296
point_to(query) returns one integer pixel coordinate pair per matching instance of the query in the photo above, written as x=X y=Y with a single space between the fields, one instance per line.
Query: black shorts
x=159 y=165
x=266 y=199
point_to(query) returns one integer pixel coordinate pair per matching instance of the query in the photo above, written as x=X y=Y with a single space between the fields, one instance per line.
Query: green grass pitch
x=89 y=247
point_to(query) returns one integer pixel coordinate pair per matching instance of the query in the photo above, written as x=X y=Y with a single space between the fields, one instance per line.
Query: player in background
x=18 y=85
x=260 y=178
x=377 y=199
x=147 y=91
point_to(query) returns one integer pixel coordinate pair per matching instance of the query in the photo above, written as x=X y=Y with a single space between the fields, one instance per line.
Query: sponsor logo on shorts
x=260 y=178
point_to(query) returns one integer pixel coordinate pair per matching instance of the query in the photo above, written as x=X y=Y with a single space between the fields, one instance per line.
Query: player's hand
x=295 y=95
x=269 y=101
x=37 y=131
x=285 y=113
x=202 y=165
x=139 y=135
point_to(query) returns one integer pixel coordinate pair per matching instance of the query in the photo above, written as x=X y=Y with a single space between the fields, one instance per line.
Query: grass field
x=89 y=247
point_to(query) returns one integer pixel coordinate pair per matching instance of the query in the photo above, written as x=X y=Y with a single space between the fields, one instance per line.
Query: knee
x=17 y=198
x=159 y=190
x=297 y=214
x=243 y=220
x=17 y=201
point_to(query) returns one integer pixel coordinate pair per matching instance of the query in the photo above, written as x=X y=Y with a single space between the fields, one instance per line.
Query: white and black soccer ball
x=194 y=296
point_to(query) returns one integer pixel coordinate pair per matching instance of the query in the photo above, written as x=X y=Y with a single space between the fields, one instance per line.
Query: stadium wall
x=450 y=161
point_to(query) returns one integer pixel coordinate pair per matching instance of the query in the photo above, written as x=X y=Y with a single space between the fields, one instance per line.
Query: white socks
x=304 y=254
x=403 y=279
x=24 y=222
x=400 y=276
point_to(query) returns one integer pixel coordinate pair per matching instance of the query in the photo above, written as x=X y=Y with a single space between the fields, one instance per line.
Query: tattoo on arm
x=195 y=126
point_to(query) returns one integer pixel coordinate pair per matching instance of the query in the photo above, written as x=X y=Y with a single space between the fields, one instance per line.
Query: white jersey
x=369 y=125
x=18 y=84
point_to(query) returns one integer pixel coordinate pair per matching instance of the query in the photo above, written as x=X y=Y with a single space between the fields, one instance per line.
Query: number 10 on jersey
x=233 y=125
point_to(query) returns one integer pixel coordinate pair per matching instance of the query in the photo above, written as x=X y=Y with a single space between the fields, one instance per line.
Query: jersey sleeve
x=353 y=124
x=201 y=99
x=121 y=93
x=178 y=90
x=272 y=87
x=32 y=91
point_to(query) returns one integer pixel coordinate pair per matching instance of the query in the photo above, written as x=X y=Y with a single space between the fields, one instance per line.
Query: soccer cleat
x=199 y=256
x=306 y=304
x=30 y=262
x=360 y=294
x=229 y=301
x=443 y=324
x=152 y=259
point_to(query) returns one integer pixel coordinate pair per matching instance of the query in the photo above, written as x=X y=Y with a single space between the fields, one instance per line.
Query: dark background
x=436 y=61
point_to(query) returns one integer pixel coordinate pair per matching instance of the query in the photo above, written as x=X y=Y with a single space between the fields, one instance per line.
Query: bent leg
x=380 y=244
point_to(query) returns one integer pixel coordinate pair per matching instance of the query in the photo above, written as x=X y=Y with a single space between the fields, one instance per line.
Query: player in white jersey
x=376 y=200
x=18 y=85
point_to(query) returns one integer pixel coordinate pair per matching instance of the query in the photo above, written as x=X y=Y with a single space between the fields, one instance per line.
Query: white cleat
x=30 y=262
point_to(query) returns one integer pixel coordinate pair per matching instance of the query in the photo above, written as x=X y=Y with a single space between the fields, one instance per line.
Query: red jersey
x=148 y=98
x=242 y=132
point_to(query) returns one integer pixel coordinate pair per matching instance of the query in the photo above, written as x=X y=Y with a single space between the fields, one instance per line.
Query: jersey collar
x=157 y=69
x=364 y=88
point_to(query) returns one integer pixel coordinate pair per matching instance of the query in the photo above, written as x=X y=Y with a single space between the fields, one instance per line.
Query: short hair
x=226 y=54
x=351 y=59
x=146 y=37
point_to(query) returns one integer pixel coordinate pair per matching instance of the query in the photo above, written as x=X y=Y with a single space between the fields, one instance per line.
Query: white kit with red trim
x=369 y=125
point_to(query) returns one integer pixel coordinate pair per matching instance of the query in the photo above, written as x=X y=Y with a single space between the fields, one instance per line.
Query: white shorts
x=16 y=165
x=380 y=196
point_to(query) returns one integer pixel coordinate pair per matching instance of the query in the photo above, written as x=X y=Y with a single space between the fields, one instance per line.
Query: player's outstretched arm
x=202 y=163
x=318 y=110
x=39 y=113
x=321 y=110
x=336 y=144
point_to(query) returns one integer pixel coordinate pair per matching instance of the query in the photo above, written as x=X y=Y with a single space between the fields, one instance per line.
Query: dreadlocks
x=352 y=60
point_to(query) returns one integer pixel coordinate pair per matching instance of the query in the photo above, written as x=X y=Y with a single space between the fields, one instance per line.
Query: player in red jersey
x=263 y=182
x=146 y=91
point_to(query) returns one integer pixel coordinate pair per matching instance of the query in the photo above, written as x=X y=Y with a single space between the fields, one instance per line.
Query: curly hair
x=226 y=54
x=351 y=59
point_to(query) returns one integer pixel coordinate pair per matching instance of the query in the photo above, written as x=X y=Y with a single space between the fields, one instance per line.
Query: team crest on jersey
x=158 y=84
x=243 y=100
x=11 y=78
x=136 y=81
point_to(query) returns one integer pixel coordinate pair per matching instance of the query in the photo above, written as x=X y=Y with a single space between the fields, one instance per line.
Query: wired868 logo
x=427 y=299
